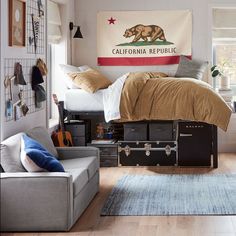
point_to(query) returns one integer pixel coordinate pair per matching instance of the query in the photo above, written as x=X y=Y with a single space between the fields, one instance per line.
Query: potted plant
x=224 y=80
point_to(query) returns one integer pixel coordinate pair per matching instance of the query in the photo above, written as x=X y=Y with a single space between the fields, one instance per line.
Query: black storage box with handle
x=135 y=131
x=147 y=153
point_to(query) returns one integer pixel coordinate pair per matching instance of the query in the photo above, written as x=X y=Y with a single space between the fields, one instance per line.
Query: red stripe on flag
x=138 y=61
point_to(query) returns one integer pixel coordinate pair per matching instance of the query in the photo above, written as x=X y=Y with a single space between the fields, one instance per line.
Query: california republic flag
x=143 y=37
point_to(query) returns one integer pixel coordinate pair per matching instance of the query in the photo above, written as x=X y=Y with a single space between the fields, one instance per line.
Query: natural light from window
x=225 y=57
x=224 y=43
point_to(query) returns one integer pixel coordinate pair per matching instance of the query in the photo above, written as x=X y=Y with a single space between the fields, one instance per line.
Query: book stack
x=103 y=141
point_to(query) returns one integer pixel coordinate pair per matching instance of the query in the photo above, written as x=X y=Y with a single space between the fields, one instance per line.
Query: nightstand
x=229 y=98
x=108 y=154
x=234 y=104
x=227 y=95
x=227 y=140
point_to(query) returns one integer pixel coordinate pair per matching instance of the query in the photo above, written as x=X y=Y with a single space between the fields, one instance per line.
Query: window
x=224 y=42
x=224 y=55
x=56 y=56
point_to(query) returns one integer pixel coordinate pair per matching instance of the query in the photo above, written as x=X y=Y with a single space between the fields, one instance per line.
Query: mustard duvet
x=151 y=96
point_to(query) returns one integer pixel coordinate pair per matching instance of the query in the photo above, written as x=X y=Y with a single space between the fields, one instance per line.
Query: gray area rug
x=172 y=195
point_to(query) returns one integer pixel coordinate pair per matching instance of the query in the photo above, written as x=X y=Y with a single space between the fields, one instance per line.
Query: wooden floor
x=90 y=223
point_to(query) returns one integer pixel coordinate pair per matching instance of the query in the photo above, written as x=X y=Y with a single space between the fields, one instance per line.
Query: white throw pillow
x=70 y=69
x=84 y=68
x=28 y=164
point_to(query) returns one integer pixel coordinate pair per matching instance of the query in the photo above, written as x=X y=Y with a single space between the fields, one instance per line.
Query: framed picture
x=17 y=16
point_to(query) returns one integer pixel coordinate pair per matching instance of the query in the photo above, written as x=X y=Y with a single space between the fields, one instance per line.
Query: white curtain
x=54 y=23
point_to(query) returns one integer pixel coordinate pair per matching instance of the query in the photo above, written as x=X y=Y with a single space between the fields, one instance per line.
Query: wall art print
x=17 y=16
x=143 y=37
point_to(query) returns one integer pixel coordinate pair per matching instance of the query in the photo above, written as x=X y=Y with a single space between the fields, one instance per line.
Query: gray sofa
x=46 y=201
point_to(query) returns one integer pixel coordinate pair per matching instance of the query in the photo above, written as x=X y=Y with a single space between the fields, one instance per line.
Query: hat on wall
x=37 y=77
x=19 y=74
x=42 y=66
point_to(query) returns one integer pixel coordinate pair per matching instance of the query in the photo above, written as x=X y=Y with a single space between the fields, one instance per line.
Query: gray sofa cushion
x=191 y=68
x=89 y=163
x=41 y=135
x=10 y=154
x=79 y=178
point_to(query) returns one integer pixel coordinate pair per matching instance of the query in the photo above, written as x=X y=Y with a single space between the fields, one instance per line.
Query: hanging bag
x=42 y=67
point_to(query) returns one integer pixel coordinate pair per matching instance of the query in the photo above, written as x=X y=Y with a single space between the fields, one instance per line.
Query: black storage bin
x=77 y=128
x=194 y=144
x=138 y=156
x=80 y=132
x=135 y=131
x=161 y=131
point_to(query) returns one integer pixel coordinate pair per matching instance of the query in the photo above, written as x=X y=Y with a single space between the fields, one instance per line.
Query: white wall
x=86 y=13
x=30 y=120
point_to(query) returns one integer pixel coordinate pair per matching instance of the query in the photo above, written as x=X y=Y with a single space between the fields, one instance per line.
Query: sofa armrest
x=76 y=152
x=36 y=201
x=32 y=175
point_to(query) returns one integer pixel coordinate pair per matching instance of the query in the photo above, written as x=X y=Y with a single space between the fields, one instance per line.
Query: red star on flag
x=111 y=21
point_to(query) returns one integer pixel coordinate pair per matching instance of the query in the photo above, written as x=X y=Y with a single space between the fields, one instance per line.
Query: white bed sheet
x=80 y=100
x=111 y=99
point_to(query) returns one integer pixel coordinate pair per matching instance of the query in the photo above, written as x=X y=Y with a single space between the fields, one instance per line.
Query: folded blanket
x=145 y=97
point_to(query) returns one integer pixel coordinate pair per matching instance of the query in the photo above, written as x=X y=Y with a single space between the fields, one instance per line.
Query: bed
x=141 y=96
x=147 y=97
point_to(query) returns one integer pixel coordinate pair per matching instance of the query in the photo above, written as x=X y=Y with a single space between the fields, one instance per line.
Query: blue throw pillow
x=40 y=156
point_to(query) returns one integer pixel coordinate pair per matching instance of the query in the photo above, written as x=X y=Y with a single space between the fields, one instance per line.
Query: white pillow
x=70 y=69
x=84 y=68
x=28 y=164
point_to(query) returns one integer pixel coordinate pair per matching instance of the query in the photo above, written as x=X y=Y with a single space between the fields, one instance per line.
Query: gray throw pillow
x=10 y=154
x=41 y=135
x=191 y=68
